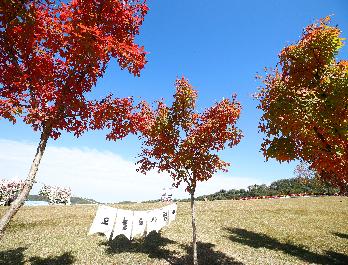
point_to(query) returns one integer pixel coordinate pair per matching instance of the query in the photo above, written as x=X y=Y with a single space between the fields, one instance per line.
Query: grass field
x=283 y=231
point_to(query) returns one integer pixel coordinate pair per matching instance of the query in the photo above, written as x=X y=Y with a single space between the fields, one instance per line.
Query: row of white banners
x=109 y=220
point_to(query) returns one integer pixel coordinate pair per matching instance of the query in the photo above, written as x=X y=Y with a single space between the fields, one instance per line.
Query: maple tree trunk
x=29 y=182
x=194 y=232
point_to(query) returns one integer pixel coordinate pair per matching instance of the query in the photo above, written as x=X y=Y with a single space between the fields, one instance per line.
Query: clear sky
x=219 y=46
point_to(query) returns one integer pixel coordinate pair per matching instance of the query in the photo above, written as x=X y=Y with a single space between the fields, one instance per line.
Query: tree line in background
x=296 y=186
x=282 y=187
x=307 y=181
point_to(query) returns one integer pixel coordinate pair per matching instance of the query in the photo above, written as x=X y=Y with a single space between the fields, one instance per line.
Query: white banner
x=131 y=223
x=104 y=221
x=139 y=223
x=164 y=216
x=153 y=221
x=124 y=223
x=172 y=212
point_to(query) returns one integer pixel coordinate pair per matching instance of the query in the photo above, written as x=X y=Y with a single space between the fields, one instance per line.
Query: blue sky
x=219 y=47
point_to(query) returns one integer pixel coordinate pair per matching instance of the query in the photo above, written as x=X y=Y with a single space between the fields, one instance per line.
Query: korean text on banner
x=164 y=216
x=139 y=223
x=172 y=212
x=103 y=221
x=124 y=223
x=153 y=221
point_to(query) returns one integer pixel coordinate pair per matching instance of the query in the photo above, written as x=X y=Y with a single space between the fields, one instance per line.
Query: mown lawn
x=282 y=231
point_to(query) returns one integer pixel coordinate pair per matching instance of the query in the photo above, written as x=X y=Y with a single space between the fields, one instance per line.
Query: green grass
x=283 y=231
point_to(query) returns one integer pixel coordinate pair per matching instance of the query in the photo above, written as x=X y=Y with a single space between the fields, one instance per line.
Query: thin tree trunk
x=29 y=182
x=194 y=232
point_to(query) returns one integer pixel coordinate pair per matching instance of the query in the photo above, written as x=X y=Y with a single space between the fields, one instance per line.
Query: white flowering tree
x=56 y=195
x=9 y=190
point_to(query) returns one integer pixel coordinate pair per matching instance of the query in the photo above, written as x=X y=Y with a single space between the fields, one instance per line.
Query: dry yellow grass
x=283 y=231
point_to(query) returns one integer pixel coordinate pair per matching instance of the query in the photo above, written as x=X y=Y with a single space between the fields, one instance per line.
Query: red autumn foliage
x=52 y=54
x=114 y=114
x=184 y=143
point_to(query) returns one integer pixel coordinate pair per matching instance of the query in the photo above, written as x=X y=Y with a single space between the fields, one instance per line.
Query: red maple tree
x=184 y=143
x=304 y=103
x=51 y=55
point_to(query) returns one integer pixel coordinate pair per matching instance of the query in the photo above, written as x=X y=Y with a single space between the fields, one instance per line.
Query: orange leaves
x=216 y=127
x=314 y=51
x=304 y=104
x=184 y=104
x=183 y=143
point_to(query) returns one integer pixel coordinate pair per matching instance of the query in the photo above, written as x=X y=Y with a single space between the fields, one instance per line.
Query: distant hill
x=79 y=200
x=36 y=198
x=74 y=200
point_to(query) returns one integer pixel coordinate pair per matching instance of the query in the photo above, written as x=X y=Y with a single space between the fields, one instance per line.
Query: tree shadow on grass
x=16 y=257
x=341 y=235
x=206 y=256
x=12 y=256
x=259 y=240
x=65 y=259
x=153 y=245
